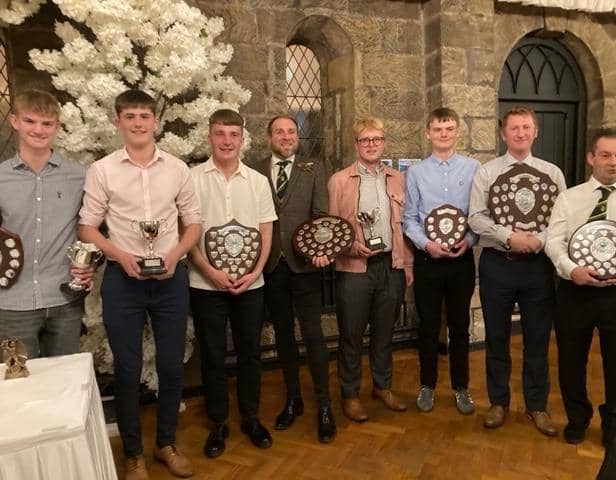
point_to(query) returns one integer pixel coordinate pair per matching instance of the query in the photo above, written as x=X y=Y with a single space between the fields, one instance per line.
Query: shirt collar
x=510 y=160
x=451 y=161
x=55 y=160
x=241 y=170
x=125 y=157
x=361 y=170
x=276 y=159
x=596 y=183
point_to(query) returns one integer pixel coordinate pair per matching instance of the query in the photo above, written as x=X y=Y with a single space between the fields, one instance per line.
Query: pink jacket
x=343 y=189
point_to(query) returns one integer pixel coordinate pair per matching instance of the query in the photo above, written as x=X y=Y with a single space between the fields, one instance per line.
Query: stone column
x=460 y=69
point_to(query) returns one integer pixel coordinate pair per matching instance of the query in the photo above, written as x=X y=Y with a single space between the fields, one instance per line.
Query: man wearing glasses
x=371 y=277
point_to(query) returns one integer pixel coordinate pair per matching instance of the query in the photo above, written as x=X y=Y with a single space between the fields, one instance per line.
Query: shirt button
x=35 y=261
x=38 y=219
x=38 y=240
x=35 y=281
x=38 y=199
x=446 y=189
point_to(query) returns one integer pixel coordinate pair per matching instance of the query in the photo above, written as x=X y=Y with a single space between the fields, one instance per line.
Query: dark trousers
x=211 y=309
x=373 y=298
x=452 y=280
x=528 y=280
x=581 y=309
x=288 y=294
x=126 y=304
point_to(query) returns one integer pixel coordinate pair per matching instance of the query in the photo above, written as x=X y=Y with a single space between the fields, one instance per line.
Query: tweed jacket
x=343 y=189
x=305 y=197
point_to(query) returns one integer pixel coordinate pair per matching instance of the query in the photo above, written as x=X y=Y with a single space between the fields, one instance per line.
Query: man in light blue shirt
x=441 y=271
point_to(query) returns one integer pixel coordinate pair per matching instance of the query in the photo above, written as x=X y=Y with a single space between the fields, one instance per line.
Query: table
x=51 y=423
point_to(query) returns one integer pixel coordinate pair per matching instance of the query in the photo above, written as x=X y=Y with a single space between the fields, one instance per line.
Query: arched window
x=7 y=147
x=303 y=75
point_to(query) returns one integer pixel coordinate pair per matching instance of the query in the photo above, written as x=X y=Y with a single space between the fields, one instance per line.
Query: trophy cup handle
x=135 y=226
x=70 y=252
x=97 y=256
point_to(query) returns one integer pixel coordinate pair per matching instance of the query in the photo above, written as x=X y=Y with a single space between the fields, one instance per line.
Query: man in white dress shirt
x=581 y=304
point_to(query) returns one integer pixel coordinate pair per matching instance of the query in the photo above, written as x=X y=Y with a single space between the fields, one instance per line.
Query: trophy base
x=375 y=243
x=70 y=288
x=152 y=266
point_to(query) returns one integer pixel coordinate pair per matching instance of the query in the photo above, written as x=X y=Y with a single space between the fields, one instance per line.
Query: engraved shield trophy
x=233 y=248
x=446 y=225
x=522 y=199
x=324 y=236
x=594 y=245
x=11 y=257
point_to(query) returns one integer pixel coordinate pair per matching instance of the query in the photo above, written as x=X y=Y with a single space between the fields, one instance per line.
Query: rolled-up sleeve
x=95 y=198
x=187 y=201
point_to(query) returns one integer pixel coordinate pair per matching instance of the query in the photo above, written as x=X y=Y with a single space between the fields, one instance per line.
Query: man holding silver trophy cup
x=372 y=276
x=142 y=194
x=40 y=197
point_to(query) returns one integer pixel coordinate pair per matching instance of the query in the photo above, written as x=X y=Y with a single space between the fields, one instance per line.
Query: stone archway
x=334 y=50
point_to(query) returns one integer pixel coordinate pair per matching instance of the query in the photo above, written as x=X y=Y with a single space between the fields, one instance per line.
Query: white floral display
x=164 y=47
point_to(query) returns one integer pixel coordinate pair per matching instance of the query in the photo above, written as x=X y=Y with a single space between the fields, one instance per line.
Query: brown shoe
x=543 y=422
x=391 y=401
x=135 y=469
x=495 y=416
x=354 y=410
x=176 y=462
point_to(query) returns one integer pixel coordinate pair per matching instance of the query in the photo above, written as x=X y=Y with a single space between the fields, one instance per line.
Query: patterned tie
x=600 y=210
x=282 y=180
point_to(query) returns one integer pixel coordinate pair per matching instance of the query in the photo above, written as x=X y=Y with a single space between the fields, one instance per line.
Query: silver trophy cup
x=369 y=219
x=151 y=264
x=81 y=255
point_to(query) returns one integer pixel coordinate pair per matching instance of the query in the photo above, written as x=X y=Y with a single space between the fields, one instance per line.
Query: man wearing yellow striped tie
x=585 y=300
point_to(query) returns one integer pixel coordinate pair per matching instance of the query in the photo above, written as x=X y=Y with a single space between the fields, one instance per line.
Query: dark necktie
x=600 y=210
x=282 y=180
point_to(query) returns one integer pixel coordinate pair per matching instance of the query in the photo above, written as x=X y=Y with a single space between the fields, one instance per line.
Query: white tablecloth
x=51 y=423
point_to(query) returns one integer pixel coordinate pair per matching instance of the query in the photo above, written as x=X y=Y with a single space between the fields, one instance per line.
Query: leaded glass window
x=7 y=147
x=303 y=77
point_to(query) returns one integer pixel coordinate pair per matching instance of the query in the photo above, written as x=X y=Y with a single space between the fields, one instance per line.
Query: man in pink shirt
x=370 y=283
x=135 y=184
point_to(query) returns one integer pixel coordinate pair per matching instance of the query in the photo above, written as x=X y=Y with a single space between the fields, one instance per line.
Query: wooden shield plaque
x=522 y=199
x=594 y=245
x=324 y=236
x=11 y=258
x=446 y=225
x=233 y=248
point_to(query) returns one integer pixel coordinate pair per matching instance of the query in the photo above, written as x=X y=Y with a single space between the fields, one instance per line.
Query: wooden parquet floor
x=440 y=445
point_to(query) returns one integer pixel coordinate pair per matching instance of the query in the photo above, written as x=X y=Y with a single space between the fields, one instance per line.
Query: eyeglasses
x=376 y=141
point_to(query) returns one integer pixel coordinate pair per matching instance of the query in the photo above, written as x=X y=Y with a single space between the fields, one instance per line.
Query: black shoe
x=327 y=425
x=293 y=408
x=215 y=443
x=258 y=434
x=574 y=434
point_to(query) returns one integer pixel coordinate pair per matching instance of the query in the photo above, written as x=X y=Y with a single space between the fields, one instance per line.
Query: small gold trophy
x=14 y=356
x=151 y=264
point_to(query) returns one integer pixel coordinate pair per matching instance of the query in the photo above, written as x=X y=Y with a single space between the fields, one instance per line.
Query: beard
x=289 y=152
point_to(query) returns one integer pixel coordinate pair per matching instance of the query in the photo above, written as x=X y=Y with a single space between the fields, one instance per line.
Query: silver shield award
x=594 y=245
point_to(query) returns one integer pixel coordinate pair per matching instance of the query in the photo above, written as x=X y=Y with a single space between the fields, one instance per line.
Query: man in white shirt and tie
x=585 y=300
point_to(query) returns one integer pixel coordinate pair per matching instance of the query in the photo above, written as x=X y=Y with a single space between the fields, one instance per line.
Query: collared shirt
x=122 y=193
x=432 y=183
x=492 y=234
x=245 y=196
x=42 y=209
x=372 y=196
x=276 y=168
x=571 y=210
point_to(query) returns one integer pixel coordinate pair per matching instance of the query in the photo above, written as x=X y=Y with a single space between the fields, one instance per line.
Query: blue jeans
x=46 y=332
x=126 y=304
